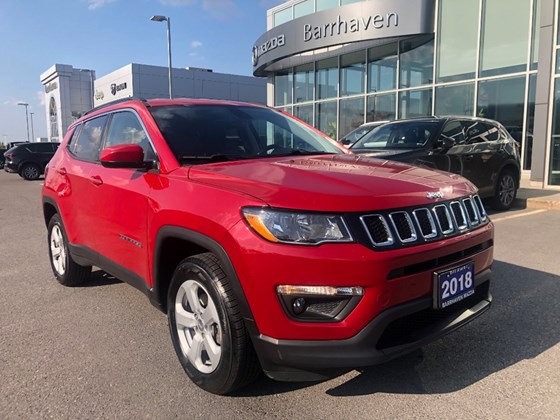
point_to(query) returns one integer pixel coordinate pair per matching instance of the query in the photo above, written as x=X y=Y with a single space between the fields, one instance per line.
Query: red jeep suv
x=270 y=247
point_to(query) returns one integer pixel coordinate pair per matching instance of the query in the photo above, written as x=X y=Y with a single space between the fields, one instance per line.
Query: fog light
x=318 y=303
x=298 y=305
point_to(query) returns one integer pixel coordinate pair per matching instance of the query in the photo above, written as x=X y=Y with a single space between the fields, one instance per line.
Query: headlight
x=297 y=228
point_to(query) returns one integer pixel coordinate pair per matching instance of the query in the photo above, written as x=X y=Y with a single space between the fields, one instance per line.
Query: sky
x=105 y=35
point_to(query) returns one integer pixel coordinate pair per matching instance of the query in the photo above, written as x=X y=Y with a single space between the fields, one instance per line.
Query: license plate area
x=453 y=285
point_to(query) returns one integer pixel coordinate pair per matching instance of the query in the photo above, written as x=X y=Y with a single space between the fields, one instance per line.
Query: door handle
x=96 y=180
x=61 y=171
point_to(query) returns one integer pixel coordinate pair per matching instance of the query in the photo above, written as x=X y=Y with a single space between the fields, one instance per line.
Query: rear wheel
x=30 y=172
x=506 y=190
x=65 y=269
x=207 y=329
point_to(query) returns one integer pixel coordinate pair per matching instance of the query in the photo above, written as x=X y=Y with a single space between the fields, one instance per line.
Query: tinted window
x=42 y=147
x=478 y=132
x=454 y=130
x=88 y=143
x=400 y=135
x=209 y=131
x=125 y=128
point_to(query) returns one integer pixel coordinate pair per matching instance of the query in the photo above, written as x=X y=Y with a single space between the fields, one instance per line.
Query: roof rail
x=117 y=101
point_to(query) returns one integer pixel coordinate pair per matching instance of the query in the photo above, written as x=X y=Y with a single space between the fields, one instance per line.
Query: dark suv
x=268 y=244
x=479 y=149
x=29 y=159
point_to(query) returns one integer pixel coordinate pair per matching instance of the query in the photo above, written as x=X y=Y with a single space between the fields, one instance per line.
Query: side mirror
x=124 y=156
x=346 y=142
x=445 y=142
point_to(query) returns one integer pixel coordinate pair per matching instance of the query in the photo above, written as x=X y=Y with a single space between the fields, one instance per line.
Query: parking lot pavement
x=102 y=351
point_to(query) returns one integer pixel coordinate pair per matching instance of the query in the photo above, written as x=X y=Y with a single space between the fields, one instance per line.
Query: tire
x=30 y=172
x=65 y=269
x=207 y=330
x=506 y=190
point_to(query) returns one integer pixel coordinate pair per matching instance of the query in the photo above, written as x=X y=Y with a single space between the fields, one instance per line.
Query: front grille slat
x=391 y=228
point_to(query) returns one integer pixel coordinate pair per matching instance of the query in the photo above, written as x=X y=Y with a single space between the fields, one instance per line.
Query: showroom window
x=326 y=118
x=352 y=73
x=304 y=8
x=382 y=67
x=457 y=44
x=502 y=100
x=381 y=107
x=535 y=37
x=554 y=167
x=304 y=82
x=327 y=78
x=283 y=16
x=283 y=88
x=505 y=37
x=415 y=103
x=351 y=115
x=326 y=4
x=304 y=113
x=455 y=100
x=417 y=61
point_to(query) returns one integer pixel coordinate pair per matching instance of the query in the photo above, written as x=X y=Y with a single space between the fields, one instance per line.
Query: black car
x=479 y=149
x=29 y=159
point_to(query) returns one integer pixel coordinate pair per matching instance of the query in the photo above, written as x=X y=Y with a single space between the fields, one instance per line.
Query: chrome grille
x=418 y=225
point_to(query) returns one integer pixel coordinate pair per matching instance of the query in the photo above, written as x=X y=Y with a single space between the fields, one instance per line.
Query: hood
x=341 y=183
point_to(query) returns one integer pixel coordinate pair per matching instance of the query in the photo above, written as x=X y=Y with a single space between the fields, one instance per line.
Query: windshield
x=210 y=133
x=399 y=135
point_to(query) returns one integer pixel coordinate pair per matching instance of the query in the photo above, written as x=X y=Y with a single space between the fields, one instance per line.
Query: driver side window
x=125 y=128
x=454 y=131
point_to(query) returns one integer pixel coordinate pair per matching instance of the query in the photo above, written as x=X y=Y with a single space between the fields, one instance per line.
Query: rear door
x=447 y=150
x=483 y=154
x=77 y=187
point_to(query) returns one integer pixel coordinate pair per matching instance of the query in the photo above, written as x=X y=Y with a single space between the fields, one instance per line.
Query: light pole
x=32 y=128
x=25 y=104
x=159 y=18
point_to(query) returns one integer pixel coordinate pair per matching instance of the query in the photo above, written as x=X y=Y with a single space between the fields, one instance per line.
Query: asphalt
x=537 y=198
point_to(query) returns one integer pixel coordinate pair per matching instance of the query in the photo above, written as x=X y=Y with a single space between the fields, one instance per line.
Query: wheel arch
x=50 y=208
x=513 y=167
x=173 y=244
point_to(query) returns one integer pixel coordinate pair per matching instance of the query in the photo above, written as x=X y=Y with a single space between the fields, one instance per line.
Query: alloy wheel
x=198 y=326
x=506 y=190
x=58 y=250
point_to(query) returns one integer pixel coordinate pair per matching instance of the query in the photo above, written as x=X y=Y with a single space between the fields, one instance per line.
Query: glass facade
x=479 y=61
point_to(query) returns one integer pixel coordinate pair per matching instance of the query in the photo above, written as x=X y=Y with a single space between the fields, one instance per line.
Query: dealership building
x=339 y=63
x=70 y=92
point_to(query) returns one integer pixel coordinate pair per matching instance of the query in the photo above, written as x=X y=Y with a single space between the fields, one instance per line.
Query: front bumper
x=394 y=332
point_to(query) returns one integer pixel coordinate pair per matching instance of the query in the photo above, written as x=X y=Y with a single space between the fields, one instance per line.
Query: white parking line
x=514 y=216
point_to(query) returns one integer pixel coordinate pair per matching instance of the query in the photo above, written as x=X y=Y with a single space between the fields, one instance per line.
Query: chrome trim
x=465 y=224
x=413 y=237
x=449 y=221
x=390 y=240
x=469 y=202
x=434 y=231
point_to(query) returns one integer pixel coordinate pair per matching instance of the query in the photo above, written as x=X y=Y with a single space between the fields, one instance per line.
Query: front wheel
x=506 y=190
x=65 y=269
x=207 y=329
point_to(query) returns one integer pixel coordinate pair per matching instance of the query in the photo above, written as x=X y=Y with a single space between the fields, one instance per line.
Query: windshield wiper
x=210 y=159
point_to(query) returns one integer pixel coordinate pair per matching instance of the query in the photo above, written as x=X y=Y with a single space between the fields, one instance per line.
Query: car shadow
x=100 y=278
x=521 y=324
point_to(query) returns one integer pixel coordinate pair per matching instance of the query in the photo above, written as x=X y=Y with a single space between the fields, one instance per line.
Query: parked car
x=29 y=159
x=479 y=149
x=268 y=245
x=356 y=134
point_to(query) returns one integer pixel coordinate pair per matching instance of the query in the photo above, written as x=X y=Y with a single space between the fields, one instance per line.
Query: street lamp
x=32 y=128
x=25 y=104
x=159 y=18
